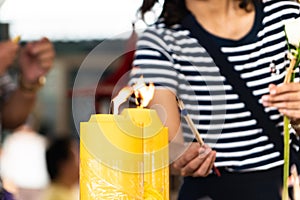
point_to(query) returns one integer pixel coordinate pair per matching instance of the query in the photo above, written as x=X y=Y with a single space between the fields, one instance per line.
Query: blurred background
x=76 y=28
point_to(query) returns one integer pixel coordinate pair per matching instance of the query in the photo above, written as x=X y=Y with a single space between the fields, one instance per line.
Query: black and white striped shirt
x=174 y=60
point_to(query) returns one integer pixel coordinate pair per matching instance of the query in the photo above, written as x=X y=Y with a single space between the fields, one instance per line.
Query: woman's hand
x=286 y=98
x=191 y=160
x=196 y=161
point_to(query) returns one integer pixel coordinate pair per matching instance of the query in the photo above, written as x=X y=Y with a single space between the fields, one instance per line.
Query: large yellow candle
x=124 y=156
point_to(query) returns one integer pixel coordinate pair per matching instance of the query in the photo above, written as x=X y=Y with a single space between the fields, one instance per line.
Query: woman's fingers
x=196 y=161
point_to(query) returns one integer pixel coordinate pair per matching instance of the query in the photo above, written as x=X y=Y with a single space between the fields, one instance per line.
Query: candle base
x=124 y=156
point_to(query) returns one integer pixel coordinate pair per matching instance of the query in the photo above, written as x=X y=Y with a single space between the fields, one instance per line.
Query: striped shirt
x=174 y=60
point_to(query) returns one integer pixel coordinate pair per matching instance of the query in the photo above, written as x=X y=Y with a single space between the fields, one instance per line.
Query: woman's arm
x=164 y=102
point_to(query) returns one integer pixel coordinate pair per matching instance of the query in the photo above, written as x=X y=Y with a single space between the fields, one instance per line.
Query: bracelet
x=32 y=87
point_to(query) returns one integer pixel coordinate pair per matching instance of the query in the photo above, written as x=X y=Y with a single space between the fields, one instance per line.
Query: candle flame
x=143 y=93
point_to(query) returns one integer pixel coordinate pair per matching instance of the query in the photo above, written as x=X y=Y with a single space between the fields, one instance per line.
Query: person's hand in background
x=36 y=59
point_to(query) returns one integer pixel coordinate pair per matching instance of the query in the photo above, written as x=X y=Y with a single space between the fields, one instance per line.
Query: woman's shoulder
x=280 y=4
x=160 y=33
x=160 y=28
x=280 y=10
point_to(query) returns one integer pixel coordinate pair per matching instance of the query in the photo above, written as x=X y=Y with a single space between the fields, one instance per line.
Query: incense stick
x=194 y=129
x=190 y=122
x=16 y=39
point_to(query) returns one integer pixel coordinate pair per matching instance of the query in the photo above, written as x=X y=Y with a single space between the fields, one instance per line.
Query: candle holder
x=125 y=156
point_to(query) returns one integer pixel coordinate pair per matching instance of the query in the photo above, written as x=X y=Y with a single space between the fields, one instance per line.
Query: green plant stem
x=286 y=157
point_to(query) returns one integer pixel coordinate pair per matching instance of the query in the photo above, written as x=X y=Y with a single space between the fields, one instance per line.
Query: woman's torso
x=172 y=59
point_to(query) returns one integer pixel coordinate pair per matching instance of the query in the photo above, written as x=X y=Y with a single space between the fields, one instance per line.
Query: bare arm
x=17 y=108
x=164 y=102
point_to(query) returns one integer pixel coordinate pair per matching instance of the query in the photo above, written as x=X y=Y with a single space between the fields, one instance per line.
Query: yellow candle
x=124 y=156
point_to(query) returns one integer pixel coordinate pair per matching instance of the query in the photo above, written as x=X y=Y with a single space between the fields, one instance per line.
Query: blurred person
x=35 y=59
x=22 y=163
x=62 y=158
x=17 y=100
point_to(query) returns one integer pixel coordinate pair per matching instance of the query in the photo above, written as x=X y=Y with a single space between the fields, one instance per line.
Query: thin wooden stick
x=194 y=129
x=190 y=122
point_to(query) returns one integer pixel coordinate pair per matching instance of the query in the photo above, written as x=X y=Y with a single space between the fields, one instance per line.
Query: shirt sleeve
x=153 y=61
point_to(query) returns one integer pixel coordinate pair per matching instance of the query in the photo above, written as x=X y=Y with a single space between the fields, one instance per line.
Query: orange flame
x=143 y=93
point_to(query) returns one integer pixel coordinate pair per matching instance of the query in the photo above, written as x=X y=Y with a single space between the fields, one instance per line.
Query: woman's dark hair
x=174 y=10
